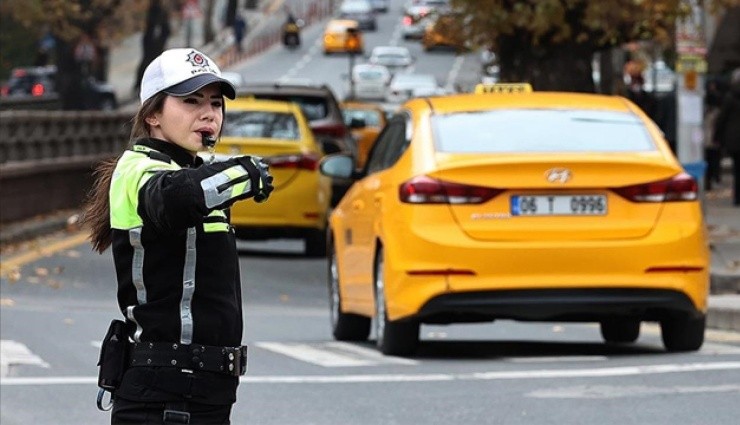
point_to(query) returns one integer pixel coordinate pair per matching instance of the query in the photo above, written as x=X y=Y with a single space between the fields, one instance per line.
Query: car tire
x=620 y=331
x=344 y=326
x=393 y=338
x=683 y=332
x=315 y=243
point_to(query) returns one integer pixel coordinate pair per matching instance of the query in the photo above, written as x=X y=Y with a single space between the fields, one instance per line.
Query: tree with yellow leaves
x=550 y=43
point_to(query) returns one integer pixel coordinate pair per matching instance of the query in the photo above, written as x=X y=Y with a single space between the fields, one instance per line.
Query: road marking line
x=435 y=377
x=549 y=359
x=315 y=355
x=15 y=353
x=611 y=391
x=6 y=267
x=370 y=353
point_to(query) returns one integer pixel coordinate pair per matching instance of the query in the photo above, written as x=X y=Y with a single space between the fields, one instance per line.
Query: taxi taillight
x=426 y=190
x=37 y=89
x=308 y=161
x=679 y=188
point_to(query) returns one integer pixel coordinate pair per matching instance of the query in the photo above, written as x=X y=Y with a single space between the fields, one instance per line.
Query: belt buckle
x=233 y=361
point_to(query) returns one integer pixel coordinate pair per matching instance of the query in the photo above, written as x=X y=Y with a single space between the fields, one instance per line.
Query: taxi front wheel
x=344 y=326
x=683 y=332
x=393 y=338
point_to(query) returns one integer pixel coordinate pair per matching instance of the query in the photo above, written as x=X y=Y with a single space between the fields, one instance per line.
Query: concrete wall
x=47 y=158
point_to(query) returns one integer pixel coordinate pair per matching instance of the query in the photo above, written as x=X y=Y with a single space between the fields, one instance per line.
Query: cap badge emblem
x=197 y=59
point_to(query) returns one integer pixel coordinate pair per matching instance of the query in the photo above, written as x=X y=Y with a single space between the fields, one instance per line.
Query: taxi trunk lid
x=286 y=158
x=540 y=198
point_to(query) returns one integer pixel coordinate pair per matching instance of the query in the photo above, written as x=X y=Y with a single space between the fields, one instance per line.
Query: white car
x=395 y=58
x=370 y=81
x=407 y=86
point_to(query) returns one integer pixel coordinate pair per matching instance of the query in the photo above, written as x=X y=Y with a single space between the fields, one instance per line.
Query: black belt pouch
x=113 y=356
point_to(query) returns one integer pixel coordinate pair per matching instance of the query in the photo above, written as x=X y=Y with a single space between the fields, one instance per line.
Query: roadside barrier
x=47 y=158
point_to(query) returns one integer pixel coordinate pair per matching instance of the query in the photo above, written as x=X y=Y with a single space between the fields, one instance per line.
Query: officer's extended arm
x=179 y=199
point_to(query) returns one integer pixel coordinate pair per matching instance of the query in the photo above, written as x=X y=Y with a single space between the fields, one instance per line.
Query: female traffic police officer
x=164 y=212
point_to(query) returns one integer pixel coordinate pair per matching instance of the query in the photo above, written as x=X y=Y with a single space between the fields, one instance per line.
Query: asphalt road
x=56 y=309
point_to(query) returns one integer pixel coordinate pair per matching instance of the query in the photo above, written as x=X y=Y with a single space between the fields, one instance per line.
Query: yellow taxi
x=365 y=121
x=279 y=133
x=343 y=36
x=442 y=32
x=512 y=204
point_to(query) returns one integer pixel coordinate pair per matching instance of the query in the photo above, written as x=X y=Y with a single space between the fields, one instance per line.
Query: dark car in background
x=361 y=11
x=321 y=108
x=39 y=83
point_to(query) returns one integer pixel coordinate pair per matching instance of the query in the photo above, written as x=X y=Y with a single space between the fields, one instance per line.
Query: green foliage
x=17 y=45
x=597 y=23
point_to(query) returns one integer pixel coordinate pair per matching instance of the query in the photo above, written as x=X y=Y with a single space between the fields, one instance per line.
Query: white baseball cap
x=180 y=72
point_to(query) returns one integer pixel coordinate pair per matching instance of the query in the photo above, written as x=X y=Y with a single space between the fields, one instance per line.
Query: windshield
x=512 y=131
x=261 y=124
x=314 y=108
x=371 y=118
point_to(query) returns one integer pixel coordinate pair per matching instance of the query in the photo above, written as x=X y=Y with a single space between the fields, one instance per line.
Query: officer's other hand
x=260 y=176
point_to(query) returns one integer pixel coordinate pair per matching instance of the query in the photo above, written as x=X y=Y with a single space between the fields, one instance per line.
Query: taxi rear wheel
x=620 y=330
x=395 y=338
x=344 y=326
x=683 y=332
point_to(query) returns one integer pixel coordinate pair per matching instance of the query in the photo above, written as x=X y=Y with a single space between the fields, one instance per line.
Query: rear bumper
x=579 y=305
x=425 y=262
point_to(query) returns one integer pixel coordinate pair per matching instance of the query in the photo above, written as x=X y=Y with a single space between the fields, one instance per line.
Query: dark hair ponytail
x=97 y=206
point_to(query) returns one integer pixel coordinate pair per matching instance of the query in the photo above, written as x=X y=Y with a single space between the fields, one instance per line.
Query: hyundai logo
x=558 y=175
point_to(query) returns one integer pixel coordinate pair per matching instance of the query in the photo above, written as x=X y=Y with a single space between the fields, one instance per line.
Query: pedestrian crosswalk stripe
x=15 y=353
x=333 y=354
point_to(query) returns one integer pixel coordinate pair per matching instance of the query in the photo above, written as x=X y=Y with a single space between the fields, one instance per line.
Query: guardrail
x=47 y=158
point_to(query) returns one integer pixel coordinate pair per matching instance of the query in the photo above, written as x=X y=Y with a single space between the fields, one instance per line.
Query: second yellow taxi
x=343 y=36
x=299 y=205
x=365 y=120
x=527 y=206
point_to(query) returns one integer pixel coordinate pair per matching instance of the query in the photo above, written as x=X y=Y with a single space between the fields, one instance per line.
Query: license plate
x=558 y=205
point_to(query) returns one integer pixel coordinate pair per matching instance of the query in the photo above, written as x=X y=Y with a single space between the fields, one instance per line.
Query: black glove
x=259 y=176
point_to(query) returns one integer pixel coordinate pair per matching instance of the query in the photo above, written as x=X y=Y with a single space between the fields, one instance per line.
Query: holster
x=113 y=356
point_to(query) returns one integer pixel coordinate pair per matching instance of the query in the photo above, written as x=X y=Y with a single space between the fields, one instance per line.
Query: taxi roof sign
x=484 y=88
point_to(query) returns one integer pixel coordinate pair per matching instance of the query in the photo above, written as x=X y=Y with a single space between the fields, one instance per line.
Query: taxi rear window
x=261 y=124
x=540 y=131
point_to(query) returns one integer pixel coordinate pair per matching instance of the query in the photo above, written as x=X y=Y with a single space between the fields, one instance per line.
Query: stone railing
x=47 y=158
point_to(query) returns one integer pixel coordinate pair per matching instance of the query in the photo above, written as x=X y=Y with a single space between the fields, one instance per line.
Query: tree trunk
x=154 y=39
x=231 y=7
x=69 y=77
x=563 y=67
x=208 y=32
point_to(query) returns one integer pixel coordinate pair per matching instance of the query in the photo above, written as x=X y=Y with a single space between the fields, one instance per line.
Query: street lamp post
x=352 y=44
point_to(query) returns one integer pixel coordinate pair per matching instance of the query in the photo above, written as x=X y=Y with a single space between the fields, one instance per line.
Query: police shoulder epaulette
x=159 y=156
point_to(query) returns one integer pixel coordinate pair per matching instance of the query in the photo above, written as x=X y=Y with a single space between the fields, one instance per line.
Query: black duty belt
x=228 y=360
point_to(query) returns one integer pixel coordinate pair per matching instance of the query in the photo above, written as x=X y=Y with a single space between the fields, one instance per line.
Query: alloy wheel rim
x=334 y=278
x=379 y=300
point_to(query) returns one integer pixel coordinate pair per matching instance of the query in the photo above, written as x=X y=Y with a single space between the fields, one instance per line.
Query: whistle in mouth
x=209 y=141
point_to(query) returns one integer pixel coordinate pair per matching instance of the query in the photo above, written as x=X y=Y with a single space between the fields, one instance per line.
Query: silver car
x=395 y=58
x=407 y=86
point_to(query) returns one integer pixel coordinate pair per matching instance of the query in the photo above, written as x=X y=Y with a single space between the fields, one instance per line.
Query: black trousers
x=128 y=412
